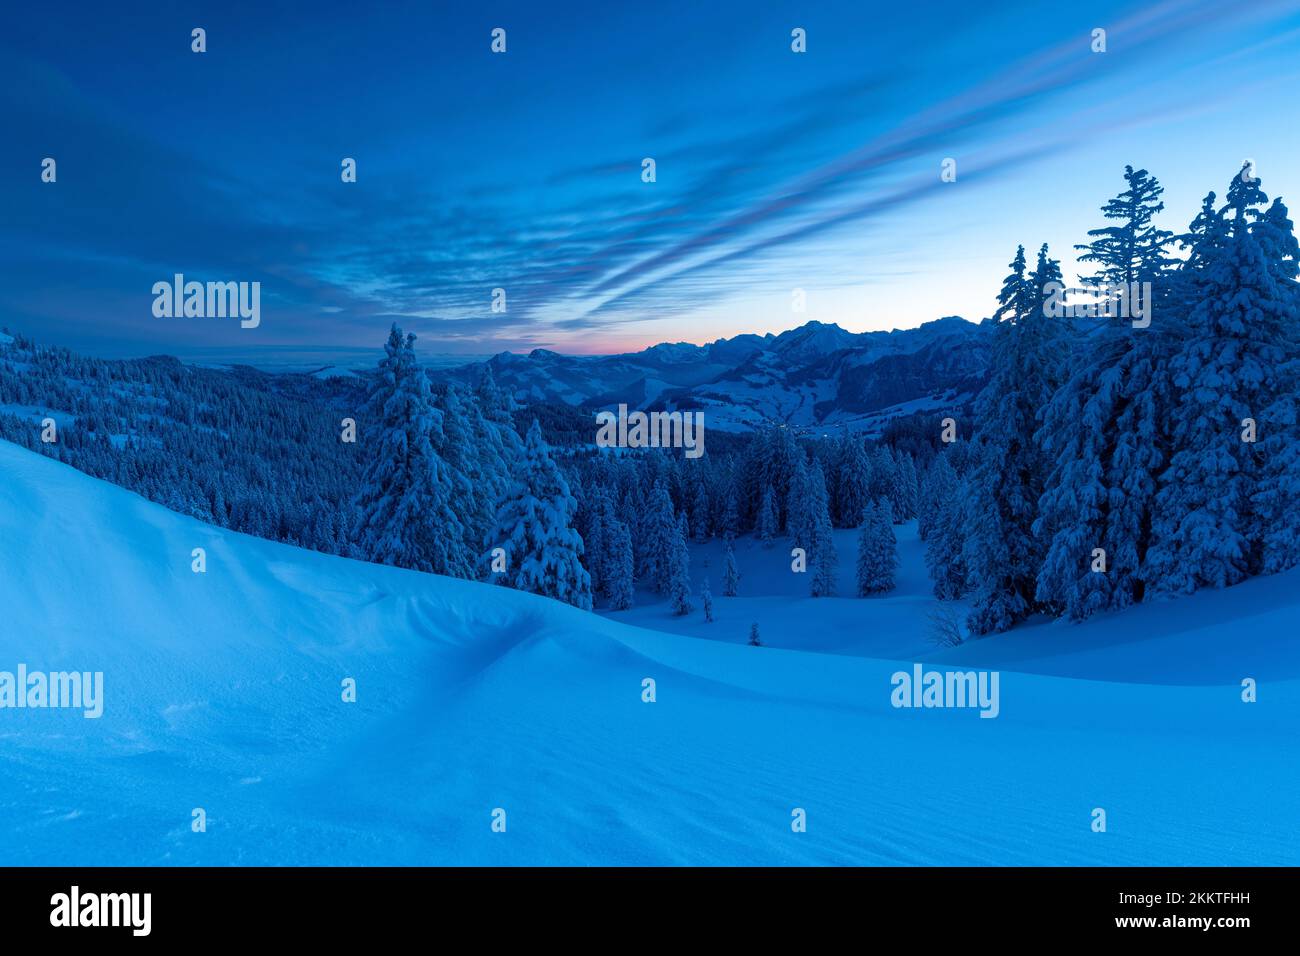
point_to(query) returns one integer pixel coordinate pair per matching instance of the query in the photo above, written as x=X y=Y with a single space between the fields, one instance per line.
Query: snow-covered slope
x=222 y=691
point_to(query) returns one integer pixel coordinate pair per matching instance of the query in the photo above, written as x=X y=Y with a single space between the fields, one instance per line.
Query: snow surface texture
x=223 y=692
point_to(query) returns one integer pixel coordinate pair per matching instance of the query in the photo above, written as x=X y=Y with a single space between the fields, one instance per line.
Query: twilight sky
x=522 y=170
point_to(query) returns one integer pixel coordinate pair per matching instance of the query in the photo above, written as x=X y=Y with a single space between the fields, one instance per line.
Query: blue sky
x=775 y=170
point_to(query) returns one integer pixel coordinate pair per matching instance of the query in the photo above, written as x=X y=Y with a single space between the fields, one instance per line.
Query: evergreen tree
x=753 y=635
x=700 y=512
x=904 y=493
x=1231 y=366
x=596 y=542
x=798 y=509
x=679 y=570
x=1277 y=241
x=943 y=543
x=877 y=549
x=477 y=459
x=533 y=525
x=769 y=464
x=767 y=520
x=822 y=554
x=658 y=527
x=730 y=574
x=1133 y=249
x=883 y=479
x=1105 y=430
x=730 y=524
x=617 y=569
x=706 y=599
x=853 y=485
x=405 y=515
x=1277 y=518
x=1001 y=553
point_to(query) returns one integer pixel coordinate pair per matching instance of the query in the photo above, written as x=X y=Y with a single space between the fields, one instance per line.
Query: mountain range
x=815 y=377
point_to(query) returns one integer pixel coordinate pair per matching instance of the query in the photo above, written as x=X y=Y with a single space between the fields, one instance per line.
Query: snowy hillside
x=222 y=691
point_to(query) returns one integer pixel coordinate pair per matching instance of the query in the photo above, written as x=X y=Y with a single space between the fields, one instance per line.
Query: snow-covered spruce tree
x=821 y=550
x=701 y=520
x=1207 y=235
x=1106 y=428
x=767 y=520
x=769 y=463
x=706 y=601
x=1230 y=366
x=753 y=635
x=853 y=485
x=730 y=573
x=478 y=458
x=798 y=508
x=679 y=570
x=877 y=549
x=404 y=507
x=943 y=542
x=632 y=512
x=882 y=477
x=1275 y=233
x=729 y=526
x=1133 y=248
x=617 y=569
x=596 y=543
x=495 y=404
x=658 y=525
x=1007 y=475
x=533 y=525
x=1278 y=491
x=904 y=495
x=933 y=485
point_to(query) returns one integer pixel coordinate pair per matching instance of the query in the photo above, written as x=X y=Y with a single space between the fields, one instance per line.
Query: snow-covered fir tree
x=701 y=522
x=617 y=568
x=1277 y=493
x=706 y=602
x=943 y=541
x=478 y=455
x=767 y=519
x=882 y=478
x=853 y=485
x=822 y=558
x=798 y=509
x=730 y=573
x=1133 y=248
x=534 y=526
x=679 y=570
x=1106 y=429
x=877 y=549
x=769 y=464
x=596 y=540
x=404 y=507
x=729 y=526
x=1229 y=367
x=753 y=636
x=1001 y=553
x=904 y=493
x=658 y=526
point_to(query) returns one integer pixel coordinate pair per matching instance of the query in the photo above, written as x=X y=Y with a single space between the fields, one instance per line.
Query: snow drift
x=222 y=691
